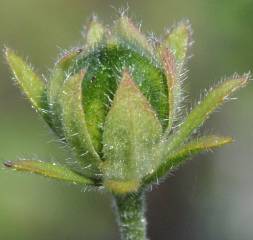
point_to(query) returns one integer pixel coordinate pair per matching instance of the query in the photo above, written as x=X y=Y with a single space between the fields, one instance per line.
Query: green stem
x=130 y=210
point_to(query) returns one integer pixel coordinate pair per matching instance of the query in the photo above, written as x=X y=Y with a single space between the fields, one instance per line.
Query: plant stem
x=130 y=210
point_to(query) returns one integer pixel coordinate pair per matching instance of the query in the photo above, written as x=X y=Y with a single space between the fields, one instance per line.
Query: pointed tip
x=186 y=24
x=82 y=73
x=93 y=18
x=126 y=78
x=7 y=51
x=230 y=140
x=95 y=32
x=245 y=78
x=183 y=26
x=125 y=73
x=122 y=22
x=128 y=25
x=10 y=56
x=179 y=39
x=127 y=32
x=8 y=164
x=213 y=140
x=67 y=57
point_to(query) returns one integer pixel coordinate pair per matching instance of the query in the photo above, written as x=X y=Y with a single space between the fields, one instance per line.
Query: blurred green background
x=210 y=197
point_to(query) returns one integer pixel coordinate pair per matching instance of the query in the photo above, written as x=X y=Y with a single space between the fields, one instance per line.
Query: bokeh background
x=211 y=197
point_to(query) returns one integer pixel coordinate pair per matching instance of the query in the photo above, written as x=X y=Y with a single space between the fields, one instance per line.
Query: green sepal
x=32 y=85
x=59 y=74
x=130 y=36
x=202 y=111
x=74 y=123
x=95 y=33
x=178 y=40
x=174 y=85
x=50 y=170
x=130 y=133
x=196 y=146
x=172 y=52
x=181 y=155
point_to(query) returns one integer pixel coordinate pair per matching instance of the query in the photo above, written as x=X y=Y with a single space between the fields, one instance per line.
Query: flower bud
x=115 y=102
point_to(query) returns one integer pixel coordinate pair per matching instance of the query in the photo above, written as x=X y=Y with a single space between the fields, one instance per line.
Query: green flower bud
x=115 y=103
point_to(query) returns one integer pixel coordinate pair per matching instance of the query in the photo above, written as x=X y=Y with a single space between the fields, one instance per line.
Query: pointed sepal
x=31 y=84
x=181 y=155
x=74 y=123
x=173 y=52
x=174 y=85
x=130 y=35
x=196 y=146
x=95 y=33
x=202 y=111
x=60 y=72
x=178 y=40
x=50 y=170
x=130 y=133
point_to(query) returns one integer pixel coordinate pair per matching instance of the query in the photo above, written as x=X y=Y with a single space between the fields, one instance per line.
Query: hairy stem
x=130 y=210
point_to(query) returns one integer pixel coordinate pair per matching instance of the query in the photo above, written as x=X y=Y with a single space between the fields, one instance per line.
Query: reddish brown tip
x=8 y=164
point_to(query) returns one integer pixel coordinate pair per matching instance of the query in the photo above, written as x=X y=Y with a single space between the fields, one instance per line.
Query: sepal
x=60 y=72
x=202 y=111
x=31 y=84
x=183 y=153
x=74 y=123
x=178 y=41
x=130 y=35
x=174 y=86
x=130 y=134
x=95 y=33
x=51 y=170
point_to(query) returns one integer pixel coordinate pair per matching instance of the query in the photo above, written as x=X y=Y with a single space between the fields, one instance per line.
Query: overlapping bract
x=114 y=103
